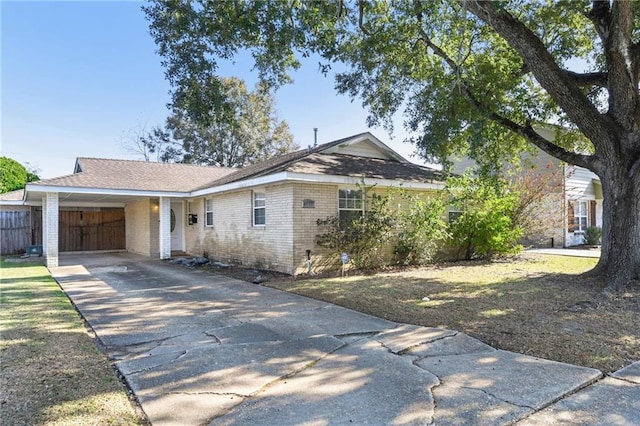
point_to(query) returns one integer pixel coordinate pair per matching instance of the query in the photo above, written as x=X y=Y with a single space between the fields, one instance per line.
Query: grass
x=51 y=371
x=537 y=305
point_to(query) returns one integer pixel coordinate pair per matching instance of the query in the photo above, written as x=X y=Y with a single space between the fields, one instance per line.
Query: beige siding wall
x=141 y=225
x=233 y=238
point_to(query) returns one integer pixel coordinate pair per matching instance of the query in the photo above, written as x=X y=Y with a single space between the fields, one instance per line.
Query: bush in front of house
x=363 y=238
x=593 y=235
x=423 y=229
x=484 y=228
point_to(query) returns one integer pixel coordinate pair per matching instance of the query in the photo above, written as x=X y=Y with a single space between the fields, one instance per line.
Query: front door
x=177 y=226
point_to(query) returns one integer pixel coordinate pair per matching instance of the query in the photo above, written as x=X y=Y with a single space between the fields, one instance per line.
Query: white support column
x=50 y=229
x=165 y=228
x=44 y=227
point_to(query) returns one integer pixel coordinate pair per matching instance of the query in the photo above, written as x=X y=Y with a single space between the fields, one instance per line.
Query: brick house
x=263 y=215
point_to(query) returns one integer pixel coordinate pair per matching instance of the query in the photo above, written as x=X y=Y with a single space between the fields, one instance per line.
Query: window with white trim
x=580 y=216
x=350 y=205
x=259 y=209
x=208 y=212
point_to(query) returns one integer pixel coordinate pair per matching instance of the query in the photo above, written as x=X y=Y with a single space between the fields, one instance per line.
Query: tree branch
x=599 y=79
x=560 y=86
x=526 y=131
x=429 y=43
x=361 y=18
x=532 y=136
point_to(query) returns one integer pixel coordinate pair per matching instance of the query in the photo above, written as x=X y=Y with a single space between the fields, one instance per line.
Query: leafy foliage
x=485 y=226
x=592 y=236
x=14 y=175
x=423 y=230
x=364 y=238
x=249 y=132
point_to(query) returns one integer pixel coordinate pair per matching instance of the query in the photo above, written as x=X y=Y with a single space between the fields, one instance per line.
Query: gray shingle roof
x=273 y=165
x=172 y=177
x=373 y=168
x=137 y=175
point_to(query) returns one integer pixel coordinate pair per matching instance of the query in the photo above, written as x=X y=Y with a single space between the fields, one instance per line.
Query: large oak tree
x=470 y=77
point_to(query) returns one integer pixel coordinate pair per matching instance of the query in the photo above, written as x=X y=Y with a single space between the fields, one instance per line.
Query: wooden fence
x=15 y=231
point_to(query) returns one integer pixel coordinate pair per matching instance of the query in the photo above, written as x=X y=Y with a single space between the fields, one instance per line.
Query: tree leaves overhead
x=436 y=62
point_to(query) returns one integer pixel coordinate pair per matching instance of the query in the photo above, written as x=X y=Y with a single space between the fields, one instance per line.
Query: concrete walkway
x=567 y=252
x=198 y=348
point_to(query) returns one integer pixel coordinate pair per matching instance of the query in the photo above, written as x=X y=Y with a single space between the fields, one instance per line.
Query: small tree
x=485 y=226
x=540 y=196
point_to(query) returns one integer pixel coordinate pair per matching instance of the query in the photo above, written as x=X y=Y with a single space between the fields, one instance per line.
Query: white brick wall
x=233 y=238
x=50 y=228
x=305 y=228
x=164 y=230
x=280 y=245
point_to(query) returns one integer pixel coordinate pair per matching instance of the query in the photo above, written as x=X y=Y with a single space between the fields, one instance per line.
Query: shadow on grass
x=52 y=371
x=563 y=317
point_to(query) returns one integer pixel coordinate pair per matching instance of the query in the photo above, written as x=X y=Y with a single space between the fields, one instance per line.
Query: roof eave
x=316 y=178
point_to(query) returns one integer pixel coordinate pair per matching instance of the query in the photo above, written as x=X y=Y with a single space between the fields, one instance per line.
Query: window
x=259 y=210
x=208 y=212
x=350 y=205
x=580 y=217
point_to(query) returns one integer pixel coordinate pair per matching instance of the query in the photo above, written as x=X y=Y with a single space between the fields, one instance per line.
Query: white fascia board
x=104 y=191
x=241 y=184
x=313 y=178
x=12 y=203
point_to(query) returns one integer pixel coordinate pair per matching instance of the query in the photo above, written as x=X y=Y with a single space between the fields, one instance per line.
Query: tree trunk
x=620 y=260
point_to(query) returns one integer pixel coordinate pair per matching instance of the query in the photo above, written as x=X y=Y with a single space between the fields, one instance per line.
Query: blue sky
x=80 y=78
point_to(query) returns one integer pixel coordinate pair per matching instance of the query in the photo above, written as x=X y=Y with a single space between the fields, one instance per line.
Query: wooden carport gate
x=80 y=229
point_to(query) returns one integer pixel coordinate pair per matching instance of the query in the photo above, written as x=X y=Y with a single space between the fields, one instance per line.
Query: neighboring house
x=573 y=202
x=263 y=215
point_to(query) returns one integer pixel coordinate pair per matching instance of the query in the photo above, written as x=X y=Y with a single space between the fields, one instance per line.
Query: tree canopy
x=471 y=77
x=14 y=175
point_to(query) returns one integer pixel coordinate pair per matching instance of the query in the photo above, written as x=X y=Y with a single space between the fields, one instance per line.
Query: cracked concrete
x=198 y=348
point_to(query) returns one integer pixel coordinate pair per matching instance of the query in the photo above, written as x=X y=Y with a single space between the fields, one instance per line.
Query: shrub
x=484 y=228
x=423 y=230
x=593 y=235
x=362 y=238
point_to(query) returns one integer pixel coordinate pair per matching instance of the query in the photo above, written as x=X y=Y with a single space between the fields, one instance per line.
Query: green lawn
x=51 y=371
x=538 y=305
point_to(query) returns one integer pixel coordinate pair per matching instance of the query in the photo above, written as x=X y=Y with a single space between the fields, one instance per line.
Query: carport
x=136 y=206
x=94 y=219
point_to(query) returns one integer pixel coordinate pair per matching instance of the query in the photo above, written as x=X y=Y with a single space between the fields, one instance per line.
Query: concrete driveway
x=199 y=348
